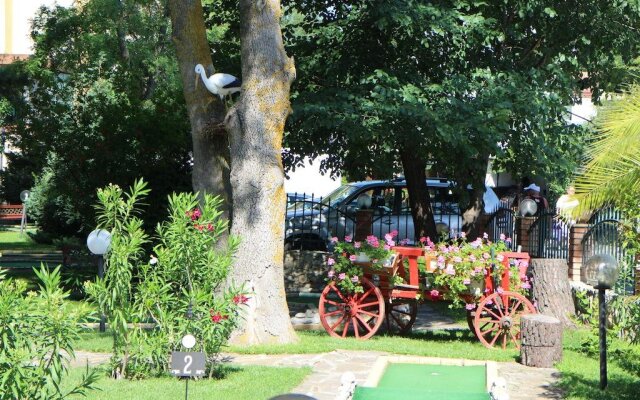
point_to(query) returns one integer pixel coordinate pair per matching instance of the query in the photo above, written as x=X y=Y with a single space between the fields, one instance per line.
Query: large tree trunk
x=476 y=172
x=551 y=289
x=256 y=126
x=206 y=111
x=419 y=201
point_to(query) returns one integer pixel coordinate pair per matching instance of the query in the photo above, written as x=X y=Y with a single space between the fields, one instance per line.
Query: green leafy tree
x=104 y=106
x=385 y=86
x=37 y=332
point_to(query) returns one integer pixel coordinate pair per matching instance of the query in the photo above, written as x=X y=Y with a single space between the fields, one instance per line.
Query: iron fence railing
x=604 y=237
x=549 y=236
x=501 y=222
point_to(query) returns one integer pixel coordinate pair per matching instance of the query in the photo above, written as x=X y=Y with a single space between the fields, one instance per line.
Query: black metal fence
x=549 y=236
x=501 y=222
x=604 y=237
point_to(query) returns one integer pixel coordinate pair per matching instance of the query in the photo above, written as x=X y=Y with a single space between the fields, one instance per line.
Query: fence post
x=524 y=223
x=576 y=234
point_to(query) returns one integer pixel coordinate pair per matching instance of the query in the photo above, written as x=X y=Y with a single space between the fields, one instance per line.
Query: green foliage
x=451 y=80
x=105 y=106
x=179 y=289
x=38 y=333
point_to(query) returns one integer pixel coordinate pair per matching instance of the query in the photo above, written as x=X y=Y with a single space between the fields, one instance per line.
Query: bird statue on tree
x=219 y=84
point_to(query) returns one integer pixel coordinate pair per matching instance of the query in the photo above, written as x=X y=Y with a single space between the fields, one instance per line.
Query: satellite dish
x=528 y=207
x=24 y=195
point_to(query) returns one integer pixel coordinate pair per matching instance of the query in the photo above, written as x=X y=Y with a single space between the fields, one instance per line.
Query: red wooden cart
x=495 y=321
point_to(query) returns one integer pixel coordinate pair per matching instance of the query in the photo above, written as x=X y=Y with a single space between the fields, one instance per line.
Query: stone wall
x=305 y=271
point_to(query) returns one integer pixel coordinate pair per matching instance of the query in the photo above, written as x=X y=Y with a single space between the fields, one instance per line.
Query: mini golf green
x=425 y=381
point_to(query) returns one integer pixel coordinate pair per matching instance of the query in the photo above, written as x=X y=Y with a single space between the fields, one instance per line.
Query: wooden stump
x=551 y=289
x=541 y=340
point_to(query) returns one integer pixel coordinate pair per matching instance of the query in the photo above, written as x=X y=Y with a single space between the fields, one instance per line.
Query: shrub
x=180 y=287
x=36 y=331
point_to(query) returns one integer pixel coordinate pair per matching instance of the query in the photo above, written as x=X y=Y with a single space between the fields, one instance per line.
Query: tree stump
x=551 y=289
x=541 y=337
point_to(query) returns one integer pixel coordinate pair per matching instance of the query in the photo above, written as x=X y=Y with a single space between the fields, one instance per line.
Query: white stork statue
x=220 y=84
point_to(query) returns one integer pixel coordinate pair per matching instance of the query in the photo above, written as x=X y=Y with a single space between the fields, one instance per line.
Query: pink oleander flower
x=463 y=235
x=487 y=290
x=434 y=293
x=489 y=302
x=500 y=257
x=331 y=261
x=485 y=235
x=352 y=257
x=372 y=241
x=391 y=243
x=348 y=238
x=387 y=247
x=466 y=281
x=486 y=256
x=472 y=258
x=450 y=270
x=357 y=245
x=355 y=279
x=335 y=239
x=473 y=273
x=404 y=242
x=342 y=275
x=423 y=240
x=394 y=233
x=524 y=263
x=388 y=237
x=499 y=290
x=440 y=259
x=457 y=259
x=331 y=274
x=470 y=306
x=503 y=236
x=525 y=285
x=477 y=270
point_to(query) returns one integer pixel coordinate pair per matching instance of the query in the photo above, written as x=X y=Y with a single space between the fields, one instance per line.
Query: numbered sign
x=187 y=363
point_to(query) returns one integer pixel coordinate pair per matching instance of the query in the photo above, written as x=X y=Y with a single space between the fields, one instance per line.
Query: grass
x=239 y=383
x=581 y=373
x=450 y=344
x=12 y=239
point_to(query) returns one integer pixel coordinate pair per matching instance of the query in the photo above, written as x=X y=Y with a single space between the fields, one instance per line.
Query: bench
x=11 y=212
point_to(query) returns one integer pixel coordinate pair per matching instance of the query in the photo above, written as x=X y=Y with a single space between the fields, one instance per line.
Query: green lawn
x=451 y=344
x=581 y=372
x=12 y=239
x=239 y=383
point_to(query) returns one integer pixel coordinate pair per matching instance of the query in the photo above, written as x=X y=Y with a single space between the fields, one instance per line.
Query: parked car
x=311 y=223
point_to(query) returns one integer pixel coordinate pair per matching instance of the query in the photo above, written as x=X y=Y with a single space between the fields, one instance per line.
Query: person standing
x=533 y=192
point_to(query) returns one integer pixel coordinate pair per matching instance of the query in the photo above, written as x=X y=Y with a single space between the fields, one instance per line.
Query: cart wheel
x=497 y=319
x=358 y=314
x=400 y=316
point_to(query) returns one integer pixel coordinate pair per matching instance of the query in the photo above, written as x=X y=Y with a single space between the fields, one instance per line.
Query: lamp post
x=98 y=243
x=601 y=273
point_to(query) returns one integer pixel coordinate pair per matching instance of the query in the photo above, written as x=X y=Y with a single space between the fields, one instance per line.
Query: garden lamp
x=601 y=272
x=98 y=243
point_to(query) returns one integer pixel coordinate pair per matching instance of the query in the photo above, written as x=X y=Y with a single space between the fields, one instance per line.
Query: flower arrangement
x=344 y=267
x=461 y=267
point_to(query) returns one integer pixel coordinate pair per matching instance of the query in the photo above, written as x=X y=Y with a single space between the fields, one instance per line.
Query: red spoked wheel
x=497 y=319
x=400 y=316
x=358 y=314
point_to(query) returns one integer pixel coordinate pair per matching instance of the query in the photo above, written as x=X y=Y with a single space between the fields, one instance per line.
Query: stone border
x=381 y=364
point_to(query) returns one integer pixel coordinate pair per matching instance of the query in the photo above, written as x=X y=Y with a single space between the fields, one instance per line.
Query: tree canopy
x=450 y=82
x=104 y=106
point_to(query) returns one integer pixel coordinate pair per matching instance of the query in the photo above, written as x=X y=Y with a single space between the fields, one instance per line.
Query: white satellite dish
x=528 y=207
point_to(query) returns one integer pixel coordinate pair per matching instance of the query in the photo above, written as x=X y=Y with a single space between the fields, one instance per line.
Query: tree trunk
x=476 y=172
x=419 y=200
x=541 y=340
x=206 y=112
x=256 y=126
x=551 y=289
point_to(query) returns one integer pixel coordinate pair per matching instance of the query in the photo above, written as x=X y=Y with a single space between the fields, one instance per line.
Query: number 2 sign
x=189 y=363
